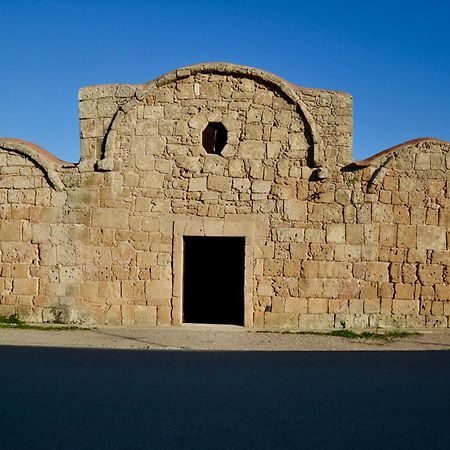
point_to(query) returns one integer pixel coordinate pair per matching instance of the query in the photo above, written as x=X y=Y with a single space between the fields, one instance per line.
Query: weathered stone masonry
x=328 y=242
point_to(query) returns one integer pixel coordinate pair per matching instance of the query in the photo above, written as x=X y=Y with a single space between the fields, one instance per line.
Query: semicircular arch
x=106 y=162
x=38 y=156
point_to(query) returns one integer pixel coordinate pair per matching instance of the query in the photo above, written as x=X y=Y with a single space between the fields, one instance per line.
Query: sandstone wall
x=329 y=243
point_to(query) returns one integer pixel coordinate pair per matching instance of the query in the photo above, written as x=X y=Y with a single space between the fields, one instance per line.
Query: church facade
x=220 y=193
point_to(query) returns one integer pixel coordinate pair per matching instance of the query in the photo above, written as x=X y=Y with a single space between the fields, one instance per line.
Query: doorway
x=213 y=280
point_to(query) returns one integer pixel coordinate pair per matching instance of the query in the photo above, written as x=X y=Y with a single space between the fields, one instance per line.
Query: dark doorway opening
x=213 y=282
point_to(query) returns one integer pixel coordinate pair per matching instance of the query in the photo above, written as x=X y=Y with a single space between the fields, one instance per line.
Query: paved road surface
x=60 y=398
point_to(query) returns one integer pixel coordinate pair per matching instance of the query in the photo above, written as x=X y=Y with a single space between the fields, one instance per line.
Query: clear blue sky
x=392 y=56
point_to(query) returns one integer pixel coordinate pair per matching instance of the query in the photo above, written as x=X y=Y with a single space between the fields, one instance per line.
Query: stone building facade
x=223 y=194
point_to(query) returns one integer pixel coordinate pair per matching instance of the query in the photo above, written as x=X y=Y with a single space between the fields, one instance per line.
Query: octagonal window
x=214 y=137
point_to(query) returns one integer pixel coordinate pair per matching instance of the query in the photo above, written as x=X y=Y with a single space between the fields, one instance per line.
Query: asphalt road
x=60 y=398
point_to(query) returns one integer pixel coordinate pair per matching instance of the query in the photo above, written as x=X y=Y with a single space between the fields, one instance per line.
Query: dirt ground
x=212 y=337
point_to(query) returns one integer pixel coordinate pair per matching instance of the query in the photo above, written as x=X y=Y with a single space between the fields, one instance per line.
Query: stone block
x=388 y=235
x=427 y=293
x=401 y=214
x=82 y=198
x=236 y=168
x=154 y=145
x=407 y=236
x=437 y=308
x=123 y=254
x=372 y=305
x=382 y=214
x=10 y=231
x=409 y=273
x=317 y=305
x=20 y=271
x=158 y=292
x=338 y=306
x=333 y=269
x=310 y=287
x=315 y=236
x=354 y=234
x=295 y=210
x=133 y=291
x=219 y=183
x=431 y=237
x=265 y=289
x=151 y=180
x=298 y=250
x=416 y=256
x=258 y=319
x=30 y=314
x=436 y=321
x=7 y=310
x=415 y=322
x=280 y=320
x=430 y=274
x=422 y=161
x=347 y=253
x=151 y=224
x=25 y=286
x=252 y=149
x=278 y=303
x=197 y=184
x=316 y=321
x=242 y=185
x=261 y=186
x=273 y=267
x=355 y=321
x=40 y=233
x=296 y=305
x=442 y=292
x=335 y=233
x=146 y=259
x=291 y=268
x=113 y=315
x=324 y=212
x=405 y=307
x=356 y=306
x=145 y=315
x=446 y=309
x=110 y=218
x=89 y=290
x=163 y=317
x=404 y=291
x=331 y=287
x=376 y=271
x=128 y=313
x=290 y=234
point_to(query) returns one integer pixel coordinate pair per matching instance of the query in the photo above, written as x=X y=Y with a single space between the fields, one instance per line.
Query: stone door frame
x=209 y=227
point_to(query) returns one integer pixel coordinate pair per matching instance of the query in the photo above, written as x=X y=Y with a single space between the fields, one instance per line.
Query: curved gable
x=274 y=83
x=42 y=159
x=422 y=159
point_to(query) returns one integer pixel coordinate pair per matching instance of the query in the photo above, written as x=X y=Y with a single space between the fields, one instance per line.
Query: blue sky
x=392 y=56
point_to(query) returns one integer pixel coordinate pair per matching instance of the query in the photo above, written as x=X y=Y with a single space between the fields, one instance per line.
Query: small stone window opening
x=214 y=137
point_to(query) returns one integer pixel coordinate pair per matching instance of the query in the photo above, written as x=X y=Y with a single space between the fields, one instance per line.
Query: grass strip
x=389 y=335
x=13 y=321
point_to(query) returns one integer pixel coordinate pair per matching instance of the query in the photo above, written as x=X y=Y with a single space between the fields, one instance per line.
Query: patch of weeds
x=386 y=335
x=13 y=321
x=349 y=334
x=351 y=181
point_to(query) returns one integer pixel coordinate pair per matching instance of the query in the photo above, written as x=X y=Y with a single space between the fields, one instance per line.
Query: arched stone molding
x=388 y=157
x=106 y=162
x=39 y=156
